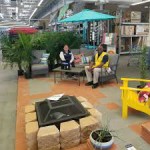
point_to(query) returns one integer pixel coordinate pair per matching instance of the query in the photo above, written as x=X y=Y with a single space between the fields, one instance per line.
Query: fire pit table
x=54 y=112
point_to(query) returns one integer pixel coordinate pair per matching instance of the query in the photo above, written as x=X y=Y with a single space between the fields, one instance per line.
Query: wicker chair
x=37 y=68
x=104 y=75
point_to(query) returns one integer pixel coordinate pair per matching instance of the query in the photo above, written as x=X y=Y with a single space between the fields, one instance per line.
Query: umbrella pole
x=93 y=34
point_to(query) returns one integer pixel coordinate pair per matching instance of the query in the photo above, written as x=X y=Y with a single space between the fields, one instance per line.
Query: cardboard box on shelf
x=135 y=16
x=127 y=30
x=131 y=16
x=126 y=16
x=142 y=29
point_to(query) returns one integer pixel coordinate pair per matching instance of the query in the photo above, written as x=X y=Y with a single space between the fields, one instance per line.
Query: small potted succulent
x=102 y=138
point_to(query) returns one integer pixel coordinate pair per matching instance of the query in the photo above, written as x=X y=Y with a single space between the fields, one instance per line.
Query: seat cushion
x=39 y=67
x=37 y=54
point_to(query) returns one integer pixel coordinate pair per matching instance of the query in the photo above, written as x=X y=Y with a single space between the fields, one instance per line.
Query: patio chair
x=131 y=97
x=104 y=75
x=38 y=67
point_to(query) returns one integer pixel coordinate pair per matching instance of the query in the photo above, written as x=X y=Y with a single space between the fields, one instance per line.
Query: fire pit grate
x=55 y=112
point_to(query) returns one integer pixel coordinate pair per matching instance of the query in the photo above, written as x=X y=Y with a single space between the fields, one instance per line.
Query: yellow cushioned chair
x=130 y=97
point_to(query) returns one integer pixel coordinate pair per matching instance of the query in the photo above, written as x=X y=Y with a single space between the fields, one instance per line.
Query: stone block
x=69 y=129
x=96 y=114
x=48 y=137
x=32 y=146
x=145 y=132
x=69 y=138
x=31 y=130
x=29 y=108
x=30 y=117
x=57 y=147
x=69 y=134
x=87 y=105
x=70 y=144
x=82 y=99
x=87 y=125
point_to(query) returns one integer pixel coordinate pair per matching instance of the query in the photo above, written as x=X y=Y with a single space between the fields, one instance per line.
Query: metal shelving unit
x=141 y=38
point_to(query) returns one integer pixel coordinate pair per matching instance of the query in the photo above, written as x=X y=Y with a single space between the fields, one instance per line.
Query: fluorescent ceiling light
x=33 y=13
x=146 y=1
x=40 y=3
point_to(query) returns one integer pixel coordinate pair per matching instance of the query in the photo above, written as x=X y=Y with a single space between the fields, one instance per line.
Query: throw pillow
x=77 y=59
x=44 y=58
x=45 y=55
x=43 y=61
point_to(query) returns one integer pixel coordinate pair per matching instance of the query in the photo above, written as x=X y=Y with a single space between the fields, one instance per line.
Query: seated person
x=99 y=63
x=66 y=57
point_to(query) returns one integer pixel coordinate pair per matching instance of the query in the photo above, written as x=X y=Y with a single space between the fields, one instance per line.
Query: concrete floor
x=8 y=97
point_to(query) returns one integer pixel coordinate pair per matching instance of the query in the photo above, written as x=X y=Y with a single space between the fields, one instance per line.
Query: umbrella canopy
x=27 y=30
x=87 y=15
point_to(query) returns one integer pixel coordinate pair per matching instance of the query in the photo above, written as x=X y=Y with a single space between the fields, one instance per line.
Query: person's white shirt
x=61 y=55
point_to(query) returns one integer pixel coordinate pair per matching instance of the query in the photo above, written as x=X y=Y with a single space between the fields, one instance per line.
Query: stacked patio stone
x=90 y=123
x=31 y=135
x=69 y=134
x=31 y=127
x=96 y=114
x=48 y=138
x=87 y=125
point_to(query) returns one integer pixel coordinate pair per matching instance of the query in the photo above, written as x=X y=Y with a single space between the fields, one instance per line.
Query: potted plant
x=18 y=50
x=26 y=47
x=143 y=64
x=12 y=54
x=102 y=138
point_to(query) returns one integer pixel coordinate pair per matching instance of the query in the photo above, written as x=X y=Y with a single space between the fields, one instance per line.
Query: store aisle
x=8 y=96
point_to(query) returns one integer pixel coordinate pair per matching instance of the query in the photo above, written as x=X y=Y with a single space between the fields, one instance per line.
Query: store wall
x=148 y=39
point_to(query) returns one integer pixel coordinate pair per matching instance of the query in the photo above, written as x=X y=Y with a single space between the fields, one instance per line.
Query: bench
x=130 y=97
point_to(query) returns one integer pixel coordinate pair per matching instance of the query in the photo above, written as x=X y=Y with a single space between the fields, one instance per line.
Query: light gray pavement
x=8 y=96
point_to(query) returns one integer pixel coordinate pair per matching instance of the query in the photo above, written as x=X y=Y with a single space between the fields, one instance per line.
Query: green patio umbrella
x=87 y=15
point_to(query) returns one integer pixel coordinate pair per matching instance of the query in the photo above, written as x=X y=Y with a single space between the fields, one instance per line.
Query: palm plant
x=12 y=53
x=18 y=51
x=25 y=42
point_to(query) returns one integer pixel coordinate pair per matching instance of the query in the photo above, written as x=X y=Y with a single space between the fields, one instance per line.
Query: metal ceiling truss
x=17 y=9
x=21 y=10
x=49 y=7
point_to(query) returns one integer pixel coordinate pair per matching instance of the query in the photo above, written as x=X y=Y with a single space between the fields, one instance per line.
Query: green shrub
x=20 y=50
x=143 y=63
x=55 y=41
